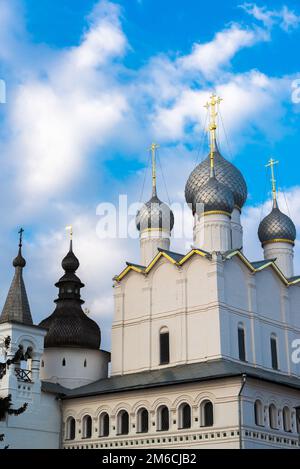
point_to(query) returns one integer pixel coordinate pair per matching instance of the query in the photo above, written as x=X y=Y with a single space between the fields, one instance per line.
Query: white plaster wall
x=236 y=229
x=284 y=255
x=74 y=374
x=212 y=232
x=150 y=241
x=223 y=393
x=39 y=425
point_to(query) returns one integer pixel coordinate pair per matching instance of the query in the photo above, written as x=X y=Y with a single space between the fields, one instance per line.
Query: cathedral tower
x=155 y=221
x=277 y=233
x=228 y=175
x=72 y=357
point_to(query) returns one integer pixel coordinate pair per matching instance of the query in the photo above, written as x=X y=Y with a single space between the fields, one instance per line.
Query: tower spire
x=271 y=164
x=69 y=228
x=213 y=107
x=16 y=307
x=153 y=149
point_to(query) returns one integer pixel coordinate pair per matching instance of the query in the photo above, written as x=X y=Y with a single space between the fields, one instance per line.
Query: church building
x=201 y=342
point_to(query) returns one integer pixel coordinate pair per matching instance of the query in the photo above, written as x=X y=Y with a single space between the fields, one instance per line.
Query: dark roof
x=294 y=279
x=136 y=265
x=54 y=388
x=16 y=307
x=258 y=264
x=174 y=255
x=68 y=325
x=180 y=374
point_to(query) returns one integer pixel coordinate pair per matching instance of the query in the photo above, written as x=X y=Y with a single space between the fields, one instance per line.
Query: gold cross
x=271 y=165
x=153 y=149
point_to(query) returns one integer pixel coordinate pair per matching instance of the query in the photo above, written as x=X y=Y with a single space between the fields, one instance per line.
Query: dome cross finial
x=213 y=107
x=271 y=165
x=20 y=232
x=153 y=149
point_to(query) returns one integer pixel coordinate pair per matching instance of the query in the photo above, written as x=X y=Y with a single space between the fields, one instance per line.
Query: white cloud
x=287 y=19
x=209 y=57
x=60 y=114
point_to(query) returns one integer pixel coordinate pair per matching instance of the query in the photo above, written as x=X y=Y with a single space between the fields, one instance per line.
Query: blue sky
x=91 y=83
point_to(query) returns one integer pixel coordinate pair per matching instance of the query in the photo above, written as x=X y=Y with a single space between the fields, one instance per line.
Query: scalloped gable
x=173 y=257
x=261 y=265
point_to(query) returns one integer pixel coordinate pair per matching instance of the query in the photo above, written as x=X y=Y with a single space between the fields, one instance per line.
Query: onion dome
x=68 y=325
x=214 y=197
x=155 y=214
x=276 y=227
x=225 y=172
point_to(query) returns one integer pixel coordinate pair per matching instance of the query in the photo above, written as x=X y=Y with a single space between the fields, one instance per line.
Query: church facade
x=202 y=352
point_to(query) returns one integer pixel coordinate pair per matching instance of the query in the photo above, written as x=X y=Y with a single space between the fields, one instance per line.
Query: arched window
x=273 y=417
x=163 y=419
x=143 y=421
x=70 y=428
x=274 y=354
x=207 y=414
x=87 y=426
x=104 y=424
x=85 y=363
x=258 y=413
x=184 y=417
x=63 y=362
x=241 y=343
x=287 y=423
x=164 y=346
x=298 y=419
x=123 y=423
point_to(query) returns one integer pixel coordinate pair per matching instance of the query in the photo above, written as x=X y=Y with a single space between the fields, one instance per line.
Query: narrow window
x=85 y=363
x=241 y=342
x=104 y=424
x=164 y=347
x=63 y=362
x=42 y=364
x=123 y=423
x=184 y=416
x=298 y=419
x=163 y=419
x=273 y=417
x=287 y=424
x=274 y=355
x=87 y=426
x=258 y=413
x=70 y=429
x=143 y=421
x=207 y=414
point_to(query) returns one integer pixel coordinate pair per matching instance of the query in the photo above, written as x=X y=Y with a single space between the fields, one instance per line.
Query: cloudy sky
x=90 y=84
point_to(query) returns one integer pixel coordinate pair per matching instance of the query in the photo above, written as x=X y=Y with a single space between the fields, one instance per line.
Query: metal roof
x=195 y=372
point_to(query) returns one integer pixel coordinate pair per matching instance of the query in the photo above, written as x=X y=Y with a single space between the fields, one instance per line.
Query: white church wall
x=39 y=425
x=74 y=367
x=222 y=393
x=268 y=287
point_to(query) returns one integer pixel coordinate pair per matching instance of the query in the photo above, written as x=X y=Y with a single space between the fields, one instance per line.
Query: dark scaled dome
x=276 y=227
x=225 y=172
x=68 y=325
x=214 y=196
x=70 y=263
x=155 y=214
x=19 y=261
